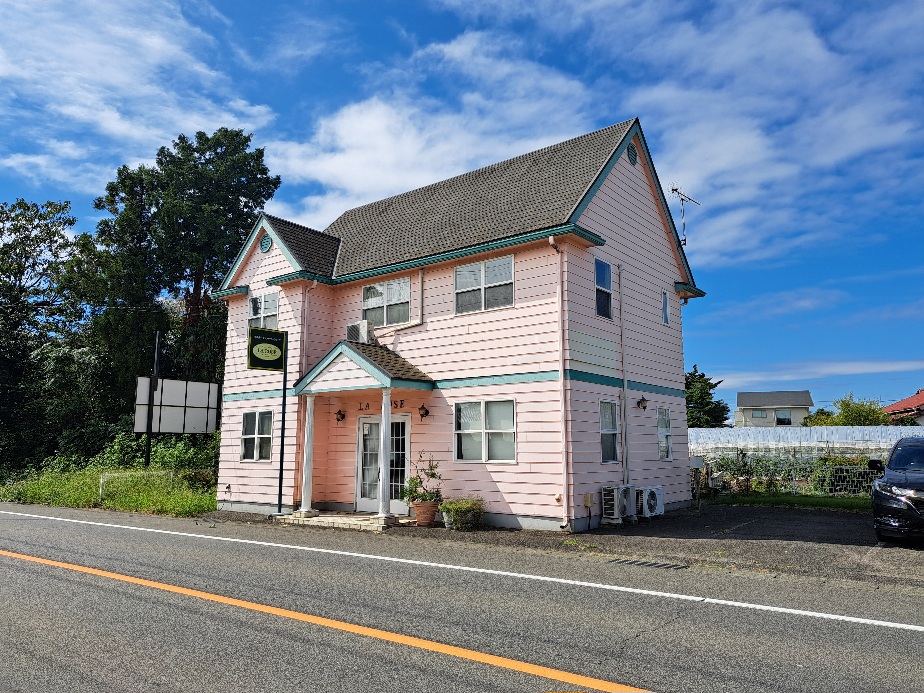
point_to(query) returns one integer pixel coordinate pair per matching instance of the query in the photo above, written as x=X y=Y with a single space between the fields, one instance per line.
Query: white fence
x=805 y=460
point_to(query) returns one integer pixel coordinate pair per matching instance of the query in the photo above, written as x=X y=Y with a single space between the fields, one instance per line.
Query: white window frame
x=383 y=289
x=261 y=316
x=759 y=414
x=610 y=431
x=484 y=432
x=483 y=286
x=776 y=417
x=664 y=434
x=256 y=436
x=606 y=289
x=665 y=308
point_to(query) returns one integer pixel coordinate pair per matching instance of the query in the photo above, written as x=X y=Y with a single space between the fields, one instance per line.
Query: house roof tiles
x=529 y=192
x=781 y=398
x=314 y=250
x=391 y=363
x=913 y=403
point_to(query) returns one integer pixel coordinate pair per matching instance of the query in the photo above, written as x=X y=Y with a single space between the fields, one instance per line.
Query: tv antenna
x=677 y=192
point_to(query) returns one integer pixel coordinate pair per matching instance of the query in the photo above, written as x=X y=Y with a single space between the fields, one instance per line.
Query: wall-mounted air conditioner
x=650 y=501
x=360 y=332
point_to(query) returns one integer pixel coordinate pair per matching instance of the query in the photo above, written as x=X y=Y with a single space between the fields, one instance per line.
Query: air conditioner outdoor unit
x=618 y=502
x=360 y=332
x=651 y=501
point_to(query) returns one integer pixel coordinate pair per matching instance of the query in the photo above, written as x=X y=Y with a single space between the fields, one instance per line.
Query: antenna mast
x=677 y=192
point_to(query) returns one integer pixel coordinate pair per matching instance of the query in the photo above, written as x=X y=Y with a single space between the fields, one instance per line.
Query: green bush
x=464 y=514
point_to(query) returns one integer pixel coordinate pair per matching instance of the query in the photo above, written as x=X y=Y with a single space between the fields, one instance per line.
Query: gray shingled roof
x=782 y=398
x=530 y=192
x=314 y=250
x=394 y=365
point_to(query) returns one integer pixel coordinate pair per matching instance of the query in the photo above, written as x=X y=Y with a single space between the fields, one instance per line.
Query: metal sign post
x=152 y=388
x=267 y=350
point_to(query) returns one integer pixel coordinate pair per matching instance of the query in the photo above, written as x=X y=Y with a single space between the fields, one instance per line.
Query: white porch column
x=385 y=454
x=308 y=461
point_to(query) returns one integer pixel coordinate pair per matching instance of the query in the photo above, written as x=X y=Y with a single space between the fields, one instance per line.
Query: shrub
x=464 y=514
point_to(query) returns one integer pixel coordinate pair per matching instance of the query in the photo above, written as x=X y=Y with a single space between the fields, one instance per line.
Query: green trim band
x=573 y=229
x=229 y=292
x=514 y=378
x=511 y=379
x=258 y=394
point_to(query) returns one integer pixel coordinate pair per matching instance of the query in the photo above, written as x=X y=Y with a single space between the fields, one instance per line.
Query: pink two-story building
x=520 y=324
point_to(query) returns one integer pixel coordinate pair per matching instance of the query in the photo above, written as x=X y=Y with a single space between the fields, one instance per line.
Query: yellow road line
x=452 y=651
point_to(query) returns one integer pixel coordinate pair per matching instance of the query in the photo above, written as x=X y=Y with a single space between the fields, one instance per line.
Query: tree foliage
x=703 y=410
x=849 y=412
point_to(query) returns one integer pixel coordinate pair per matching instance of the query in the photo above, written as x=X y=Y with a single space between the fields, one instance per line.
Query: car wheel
x=881 y=537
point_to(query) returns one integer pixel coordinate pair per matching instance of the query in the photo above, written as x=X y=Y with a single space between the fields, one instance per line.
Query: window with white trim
x=387 y=303
x=665 y=309
x=664 y=433
x=609 y=433
x=759 y=414
x=603 y=274
x=257 y=436
x=264 y=310
x=784 y=417
x=484 y=285
x=486 y=431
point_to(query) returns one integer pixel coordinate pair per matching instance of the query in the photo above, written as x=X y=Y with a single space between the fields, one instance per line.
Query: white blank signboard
x=180 y=406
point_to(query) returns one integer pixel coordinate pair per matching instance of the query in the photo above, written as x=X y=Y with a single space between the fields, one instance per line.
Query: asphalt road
x=64 y=630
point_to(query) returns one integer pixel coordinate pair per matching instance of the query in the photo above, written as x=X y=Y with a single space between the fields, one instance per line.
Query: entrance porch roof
x=357 y=366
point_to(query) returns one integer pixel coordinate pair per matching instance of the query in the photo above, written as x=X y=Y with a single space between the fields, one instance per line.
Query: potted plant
x=422 y=491
x=464 y=514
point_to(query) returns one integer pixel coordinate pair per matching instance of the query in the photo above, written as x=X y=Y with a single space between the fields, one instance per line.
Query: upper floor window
x=264 y=310
x=609 y=434
x=664 y=433
x=665 y=309
x=784 y=417
x=604 y=279
x=387 y=303
x=484 y=285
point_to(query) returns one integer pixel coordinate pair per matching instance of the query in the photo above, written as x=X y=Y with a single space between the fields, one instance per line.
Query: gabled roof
x=915 y=402
x=526 y=198
x=780 y=398
x=384 y=365
x=533 y=191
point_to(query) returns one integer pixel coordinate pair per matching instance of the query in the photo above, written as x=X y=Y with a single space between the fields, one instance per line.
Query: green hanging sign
x=266 y=349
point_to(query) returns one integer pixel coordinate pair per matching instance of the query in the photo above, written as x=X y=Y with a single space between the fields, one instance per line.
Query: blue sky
x=797 y=126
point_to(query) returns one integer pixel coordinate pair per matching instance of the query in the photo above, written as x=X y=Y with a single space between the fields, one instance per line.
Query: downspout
x=565 y=451
x=623 y=409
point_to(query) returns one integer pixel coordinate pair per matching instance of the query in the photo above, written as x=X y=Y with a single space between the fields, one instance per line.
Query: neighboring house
x=910 y=406
x=527 y=337
x=784 y=408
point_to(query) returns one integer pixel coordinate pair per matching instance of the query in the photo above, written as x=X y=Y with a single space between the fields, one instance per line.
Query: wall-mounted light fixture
x=423 y=411
x=642 y=403
x=339 y=415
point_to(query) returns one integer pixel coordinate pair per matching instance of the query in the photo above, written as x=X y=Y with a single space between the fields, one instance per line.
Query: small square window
x=263 y=311
x=257 y=436
x=758 y=414
x=484 y=285
x=486 y=431
x=783 y=417
x=387 y=303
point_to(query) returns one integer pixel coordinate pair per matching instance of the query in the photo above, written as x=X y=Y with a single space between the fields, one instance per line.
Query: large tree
x=35 y=249
x=703 y=410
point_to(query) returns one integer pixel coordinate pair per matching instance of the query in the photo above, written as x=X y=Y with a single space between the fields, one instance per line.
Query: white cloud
x=126 y=71
x=806 y=372
x=777 y=303
x=499 y=105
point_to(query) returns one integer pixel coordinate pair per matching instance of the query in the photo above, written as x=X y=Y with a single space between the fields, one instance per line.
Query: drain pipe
x=624 y=439
x=565 y=452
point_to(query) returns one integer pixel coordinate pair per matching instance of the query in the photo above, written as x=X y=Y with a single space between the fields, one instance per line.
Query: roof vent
x=632 y=152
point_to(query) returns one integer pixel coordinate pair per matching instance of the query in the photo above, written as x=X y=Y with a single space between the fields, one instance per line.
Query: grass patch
x=855 y=503
x=147 y=492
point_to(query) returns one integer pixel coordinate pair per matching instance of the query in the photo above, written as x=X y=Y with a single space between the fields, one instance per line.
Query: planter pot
x=425 y=512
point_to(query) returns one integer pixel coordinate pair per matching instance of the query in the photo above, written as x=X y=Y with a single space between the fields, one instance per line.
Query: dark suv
x=898 y=495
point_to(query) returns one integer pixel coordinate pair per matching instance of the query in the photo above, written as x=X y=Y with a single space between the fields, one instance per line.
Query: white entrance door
x=367 y=463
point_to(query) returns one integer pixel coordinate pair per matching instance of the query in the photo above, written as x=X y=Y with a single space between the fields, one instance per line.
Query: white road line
x=502 y=573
